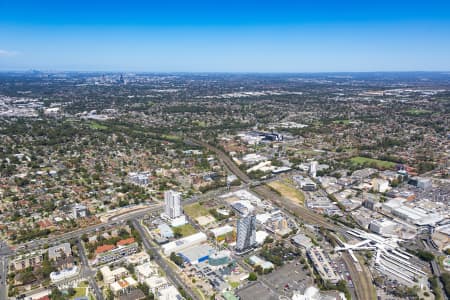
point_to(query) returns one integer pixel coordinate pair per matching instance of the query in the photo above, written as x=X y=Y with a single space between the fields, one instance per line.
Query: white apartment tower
x=246 y=233
x=172 y=201
x=313 y=169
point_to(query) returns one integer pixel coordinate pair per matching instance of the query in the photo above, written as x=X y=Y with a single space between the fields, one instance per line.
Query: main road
x=3 y=277
x=364 y=287
x=87 y=272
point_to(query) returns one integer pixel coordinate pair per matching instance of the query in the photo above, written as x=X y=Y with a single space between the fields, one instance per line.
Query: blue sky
x=225 y=36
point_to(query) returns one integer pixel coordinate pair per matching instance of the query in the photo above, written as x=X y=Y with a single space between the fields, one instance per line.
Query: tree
x=176 y=259
x=109 y=295
x=84 y=238
x=71 y=291
x=258 y=269
x=445 y=278
x=252 y=276
x=56 y=294
x=99 y=276
x=425 y=255
x=47 y=268
x=146 y=290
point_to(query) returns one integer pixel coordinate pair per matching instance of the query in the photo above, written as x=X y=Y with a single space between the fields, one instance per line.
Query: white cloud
x=4 y=53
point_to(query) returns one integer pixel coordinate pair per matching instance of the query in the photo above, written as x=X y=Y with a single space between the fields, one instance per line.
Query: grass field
x=381 y=164
x=287 y=191
x=80 y=292
x=185 y=230
x=97 y=126
x=199 y=123
x=171 y=137
x=417 y=112
x=234 y=285
x=195 y=210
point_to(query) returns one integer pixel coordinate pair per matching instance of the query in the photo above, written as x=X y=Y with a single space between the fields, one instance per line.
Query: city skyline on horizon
x=249 y=37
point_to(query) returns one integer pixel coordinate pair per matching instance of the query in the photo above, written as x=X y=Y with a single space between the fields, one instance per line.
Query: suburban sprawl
x=136 y=186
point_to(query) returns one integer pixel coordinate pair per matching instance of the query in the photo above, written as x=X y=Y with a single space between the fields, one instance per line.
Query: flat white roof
x=184 y=242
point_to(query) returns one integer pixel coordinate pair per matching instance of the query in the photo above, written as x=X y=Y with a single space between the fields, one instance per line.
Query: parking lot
x=288 y=278
x=256 y=290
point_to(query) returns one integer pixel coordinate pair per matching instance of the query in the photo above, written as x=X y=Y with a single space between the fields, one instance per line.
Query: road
x=161 y=261
x=3 y=277
x=363 y=285
x=87 y=272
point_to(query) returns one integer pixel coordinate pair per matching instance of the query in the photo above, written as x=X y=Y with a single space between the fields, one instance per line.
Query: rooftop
x=104 y=248
x=125 y=242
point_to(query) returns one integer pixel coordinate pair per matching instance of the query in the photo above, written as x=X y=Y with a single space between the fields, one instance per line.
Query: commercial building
x=257 y=261
x=281 y=170
x=131 y=294
x=380 y=185
x=110 y=276
x=184 y=243
x=178 y=221
x=322 y=265
x=222 y=231
x=260 y=237
x=79 y=211
x=307 y=184
x=421 y=182
x=242 y=207
x=62 y=250
x=156 y=283
x=169 y=293
x=64 y=274
x=253 y=158
x=279 y=225
x=145 y=271
x=383 y=227
x=116 y=253
x=31 y=259
x=196 y=254
x=441 y=237
x=139 y=178
x=123 y=286
x=138 y=258
x=302 y=240
x=220 y=258
x=165 y=231
x=246 y=233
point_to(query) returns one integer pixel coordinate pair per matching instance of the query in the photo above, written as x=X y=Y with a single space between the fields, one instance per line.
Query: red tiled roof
x=45 y=224
x=104 y=248
x=125 y=242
